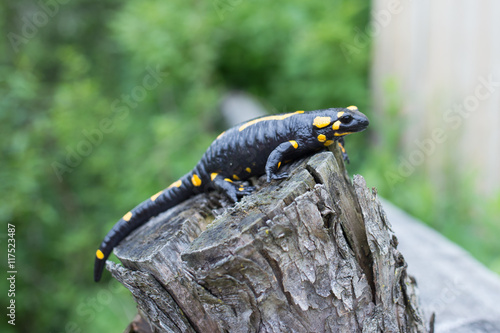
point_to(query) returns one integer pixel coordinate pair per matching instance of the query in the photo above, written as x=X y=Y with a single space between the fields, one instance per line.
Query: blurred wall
x=438 y=62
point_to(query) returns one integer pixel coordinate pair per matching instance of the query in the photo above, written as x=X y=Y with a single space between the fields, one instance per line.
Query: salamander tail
x=160 y=202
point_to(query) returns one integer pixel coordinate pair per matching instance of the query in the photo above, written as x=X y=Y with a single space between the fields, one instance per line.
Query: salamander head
x=341 y=121
x=350 y=120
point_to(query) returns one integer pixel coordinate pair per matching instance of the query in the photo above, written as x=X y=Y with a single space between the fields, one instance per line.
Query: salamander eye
x=346 y=119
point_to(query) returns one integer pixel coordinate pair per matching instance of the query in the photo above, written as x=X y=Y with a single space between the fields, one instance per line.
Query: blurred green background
x=105 y=102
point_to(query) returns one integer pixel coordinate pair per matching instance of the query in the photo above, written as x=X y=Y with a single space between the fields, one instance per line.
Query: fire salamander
x=253 y=148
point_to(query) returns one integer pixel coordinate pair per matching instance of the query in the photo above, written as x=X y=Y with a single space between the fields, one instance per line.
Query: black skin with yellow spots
x=253 y=148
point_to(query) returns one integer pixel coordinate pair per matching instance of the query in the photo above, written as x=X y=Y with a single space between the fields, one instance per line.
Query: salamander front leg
x=232 y=190
x=276 y=157
x=341 y=144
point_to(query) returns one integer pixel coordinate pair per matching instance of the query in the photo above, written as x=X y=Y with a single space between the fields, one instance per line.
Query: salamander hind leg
x=233 y=191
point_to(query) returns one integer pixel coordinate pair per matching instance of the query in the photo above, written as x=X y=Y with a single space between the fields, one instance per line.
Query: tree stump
x=313 y=253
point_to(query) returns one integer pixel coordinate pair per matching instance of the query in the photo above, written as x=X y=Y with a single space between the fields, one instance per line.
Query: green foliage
x=105 y=103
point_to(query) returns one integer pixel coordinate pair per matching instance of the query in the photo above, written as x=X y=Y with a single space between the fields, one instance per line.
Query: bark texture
x=313 y=253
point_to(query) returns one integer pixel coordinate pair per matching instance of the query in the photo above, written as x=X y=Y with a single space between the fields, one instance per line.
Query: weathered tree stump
x=313 y=253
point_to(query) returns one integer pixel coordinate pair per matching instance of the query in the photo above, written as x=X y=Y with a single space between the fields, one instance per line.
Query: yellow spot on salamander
x=341 y=147
x=127 y=216
x=321 y=138
x=321 y=122
x=177 y=183
x=218 y=136
x=99 y=254
x=236 y=177
x=228 y=180
x=340 y=114
x=196 y=180
x=352 y=107
x=279 y=164
x=248 y=170
x=294 y=143
x=336 y=125
x=154 y=197
x=342 y=134
x=213 y=175
x=328 y=143
x=241 y=189
x=277 y=117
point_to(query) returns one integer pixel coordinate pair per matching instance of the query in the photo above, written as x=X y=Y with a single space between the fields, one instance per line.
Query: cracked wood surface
x=313 y=253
